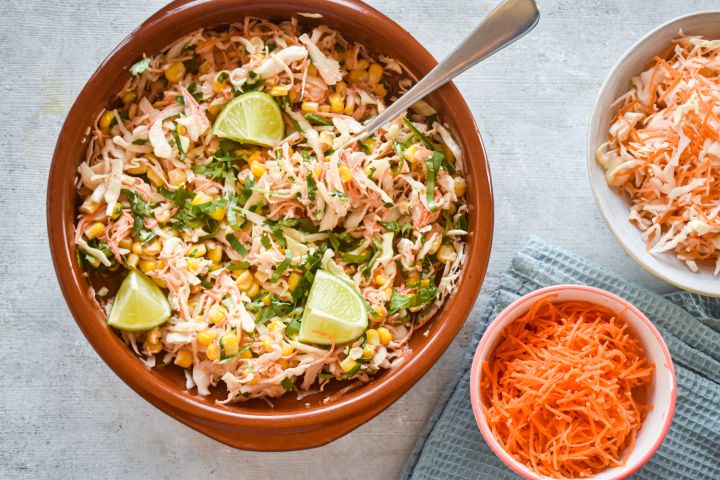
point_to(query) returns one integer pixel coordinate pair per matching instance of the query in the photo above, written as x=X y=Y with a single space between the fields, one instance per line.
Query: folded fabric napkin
x=452 y=446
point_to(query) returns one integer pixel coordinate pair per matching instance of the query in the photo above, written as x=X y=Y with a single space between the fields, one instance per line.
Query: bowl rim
x=493 y=331
x=590 y=154
x=301 y=425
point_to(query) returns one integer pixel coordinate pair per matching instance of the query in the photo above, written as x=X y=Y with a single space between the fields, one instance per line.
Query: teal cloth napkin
x=452 y=447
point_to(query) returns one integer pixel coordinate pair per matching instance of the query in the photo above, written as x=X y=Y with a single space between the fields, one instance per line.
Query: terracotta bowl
x=290 y=424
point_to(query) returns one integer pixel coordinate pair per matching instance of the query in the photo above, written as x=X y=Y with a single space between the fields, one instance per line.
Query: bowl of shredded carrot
x=654 y=152
x=572 y=381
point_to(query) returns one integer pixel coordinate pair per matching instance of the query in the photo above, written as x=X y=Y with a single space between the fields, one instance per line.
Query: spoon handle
x=507 y=23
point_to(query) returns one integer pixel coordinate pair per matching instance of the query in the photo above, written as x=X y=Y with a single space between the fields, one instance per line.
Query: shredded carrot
x=562 y=391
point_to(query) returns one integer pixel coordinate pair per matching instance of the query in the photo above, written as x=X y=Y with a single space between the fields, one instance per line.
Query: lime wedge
x=334 y=312
x=139 y=304
x=252 y=117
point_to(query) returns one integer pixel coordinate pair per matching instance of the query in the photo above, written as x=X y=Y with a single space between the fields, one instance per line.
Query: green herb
x=391 y=226
x=340 y=195
x=277 y=233
x=287 y=384
x=178 y=144
x=312 y=186
x=141 y=141
x=358 y=258
x=318 y=120
x=399 y=301
x=193 y=65
x=281 y=267
x=139 y=67
x=238 y=266
x=352 y=371
x=265 y=240
x=363 y=146
x=277 y=308
x=235 y=243
x=294 y=122
x=140 y=209
x=222 y=77
x=432 y=165
x=423 y=138
x=293 y=328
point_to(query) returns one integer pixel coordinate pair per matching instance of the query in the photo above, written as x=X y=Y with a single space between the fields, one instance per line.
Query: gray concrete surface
x=66 y=415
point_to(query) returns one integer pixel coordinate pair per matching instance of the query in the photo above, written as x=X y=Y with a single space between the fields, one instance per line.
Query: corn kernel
x=381 y=279
x=116 y=211
x=206 y=337
x=372 y=336
x=254 y=290
x=460 y=186
x=340 y=87
x=312 y=70
x=246 y=354
x=309 y=107
x=218 y=213
x=137 y=248
x=267 y=300
x=362 y=64
x=294 y=280
x=201 y=198
x=146 y=265
x=357 y=76
x=132 y=260
x=384 y=335
x=257 y=169
x=230 y=343
x=94 y=230
x=267 y=343
x=154 y=177
x=213 y=352
x=287 y=350
x=153 y=247
x=132 y=111
x=89 y=206
x=177 y=176
x=175 y=72
x=282 y=363
x=126 y=243
x=375 y=73
x=446 y=254
x=204 y=68
x=388 y=293
x=336 y=102
x=349 y=107
x=129 y=97
x=153 y=347
x=425 y=282
x=317 y=170
x=276 y=325
x=324 y=108
x=368 y=351
x=139 y=170
x=181 y=129
x=409 y=153
x=215 y=109
x=217 y=314
x=252 y=378
x=326 y=140
x=244 y=281
x=192 y=264
x=380 y=90
x=197 y=251
x=214 y=254
x=293 y=96
x=347 y=364
x=345 y=173
x=184 y=359
x=278 y=91
x=107 y=120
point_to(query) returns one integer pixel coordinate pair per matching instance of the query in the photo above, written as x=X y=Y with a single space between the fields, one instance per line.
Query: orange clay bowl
x=254 y=425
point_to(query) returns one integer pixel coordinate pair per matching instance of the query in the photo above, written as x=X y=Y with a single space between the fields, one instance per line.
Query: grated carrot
x=562 y=389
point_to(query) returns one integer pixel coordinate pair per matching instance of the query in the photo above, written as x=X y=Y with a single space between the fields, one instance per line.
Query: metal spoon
x=511 y=20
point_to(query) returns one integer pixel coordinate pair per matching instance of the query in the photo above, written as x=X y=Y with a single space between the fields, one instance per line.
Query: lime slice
x=334 y=312
x=139 y=304
x=252 y=117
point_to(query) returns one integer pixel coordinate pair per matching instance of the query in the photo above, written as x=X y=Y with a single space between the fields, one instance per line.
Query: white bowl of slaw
x=614 y=206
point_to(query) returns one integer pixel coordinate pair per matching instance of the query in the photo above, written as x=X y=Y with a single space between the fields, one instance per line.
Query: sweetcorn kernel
x=347 y=364
x=206 y=337
x=384 y=335
x=372 y=336
x=345 y=173
x=175 y=72
x=230 y=343
x=184 y=359
x=213 y=352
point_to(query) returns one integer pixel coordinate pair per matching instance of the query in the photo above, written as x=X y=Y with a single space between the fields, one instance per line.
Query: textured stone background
x=66 y=415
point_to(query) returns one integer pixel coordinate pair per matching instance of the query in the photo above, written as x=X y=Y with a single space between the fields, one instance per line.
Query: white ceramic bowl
x=614 y=207
x=661 y=392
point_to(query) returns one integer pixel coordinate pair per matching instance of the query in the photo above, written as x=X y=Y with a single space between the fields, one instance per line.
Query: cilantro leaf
x=140 y=66
x=400 y=301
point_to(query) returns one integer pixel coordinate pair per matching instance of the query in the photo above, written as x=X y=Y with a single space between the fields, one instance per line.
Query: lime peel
x=139 y=304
